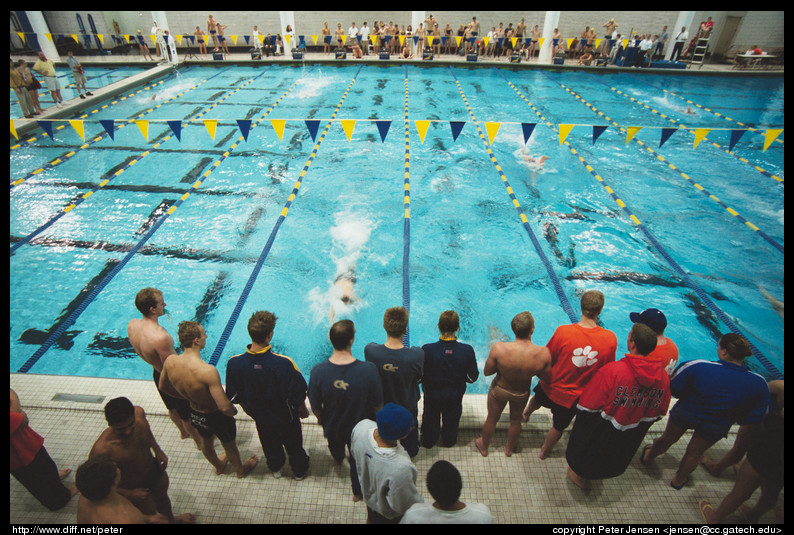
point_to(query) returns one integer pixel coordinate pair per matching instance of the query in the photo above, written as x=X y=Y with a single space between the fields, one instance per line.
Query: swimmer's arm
x=218 y=395
x=545 y=374
x=166 y=386
x=159 y=454
x=490 y=367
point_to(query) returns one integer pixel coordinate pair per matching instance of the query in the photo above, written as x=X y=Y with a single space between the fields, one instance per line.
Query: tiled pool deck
x=519 y=489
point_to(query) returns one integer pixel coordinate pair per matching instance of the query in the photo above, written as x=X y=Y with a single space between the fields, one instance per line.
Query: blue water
x=469 y=250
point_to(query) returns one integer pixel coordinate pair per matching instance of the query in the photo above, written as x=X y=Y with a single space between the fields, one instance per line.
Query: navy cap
x=394 y=422
x=652 y=317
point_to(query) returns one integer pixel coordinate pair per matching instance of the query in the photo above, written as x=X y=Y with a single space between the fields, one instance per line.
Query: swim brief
x=181 y=406
x=214 y=423
x=505 y=395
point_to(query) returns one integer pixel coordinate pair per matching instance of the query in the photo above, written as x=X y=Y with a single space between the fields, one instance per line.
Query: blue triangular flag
x=597 y=131
x=176 y=128
x=527 y=128
x=109 y=126
x=456 y=127
x=47 y=127
x=246 y=39
x=245 y=126
x=735 y=135
x=666 y=133
x=313 y=126
x=383 y=128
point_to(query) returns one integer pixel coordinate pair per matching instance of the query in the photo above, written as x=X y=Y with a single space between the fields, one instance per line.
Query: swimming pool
x=226 y=226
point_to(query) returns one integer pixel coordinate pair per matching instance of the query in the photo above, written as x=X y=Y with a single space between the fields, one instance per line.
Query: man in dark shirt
x=343 y=391
x=449 y=365
x=271 y=390
x=400 y=370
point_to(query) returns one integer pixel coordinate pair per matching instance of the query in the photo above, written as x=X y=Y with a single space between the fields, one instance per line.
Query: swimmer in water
x=535 y=164
x=344 y=289
x=689 y=111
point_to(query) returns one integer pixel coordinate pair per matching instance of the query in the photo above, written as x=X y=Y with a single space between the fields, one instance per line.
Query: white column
x=161 y=20
x=288 y=18
x=552 y=21
x=39 y=26
x=685 y=18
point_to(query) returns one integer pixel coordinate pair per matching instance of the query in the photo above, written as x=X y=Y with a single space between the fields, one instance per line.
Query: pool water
x=240 y=242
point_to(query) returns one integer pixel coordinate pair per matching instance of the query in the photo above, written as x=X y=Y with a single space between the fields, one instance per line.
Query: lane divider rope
x=406 y=217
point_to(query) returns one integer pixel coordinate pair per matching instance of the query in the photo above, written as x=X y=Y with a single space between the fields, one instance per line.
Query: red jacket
x=628 y=392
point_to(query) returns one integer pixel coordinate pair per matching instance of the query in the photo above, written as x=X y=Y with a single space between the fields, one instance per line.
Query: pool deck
x=518 y=490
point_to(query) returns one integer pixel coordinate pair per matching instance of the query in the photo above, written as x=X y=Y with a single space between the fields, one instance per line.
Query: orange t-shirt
x=577 y=353
x=666 y=354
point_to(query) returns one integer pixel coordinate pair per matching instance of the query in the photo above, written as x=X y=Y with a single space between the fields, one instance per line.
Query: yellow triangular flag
x=234 y=39
x=178 y=39
x=631 y=131
x=565 y=129
x=486 y=40
x=598 y=42
x=102 y=38
x=74 y=36
x=402 y=40
x=429 y=40
x=348 y=125
x=457 y=39
x=288 y=37
x=374 y=39
x=771 y=135
x=211 y=125
x=421 y=127
x=514 y=40
x=569 y=41
x=314 y=39
x=143 y=126
x=21 y=36
x=78 y=127
x=49 y=36
x=278 y=126
x=492 y=129
x=700 y=133
x=540 y=40
x=344 y=39
x=14 y=130
x=154 y=38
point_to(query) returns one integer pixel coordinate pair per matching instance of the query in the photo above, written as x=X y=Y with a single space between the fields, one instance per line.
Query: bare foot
x=356 y=498
x=185 y=518
x=478 y=445
x=543 y=454
x=222 y=461
x=511 y=450
x=247 y=466
x=65 y=472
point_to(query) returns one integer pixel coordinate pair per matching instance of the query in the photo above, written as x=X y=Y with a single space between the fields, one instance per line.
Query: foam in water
x=349 y=237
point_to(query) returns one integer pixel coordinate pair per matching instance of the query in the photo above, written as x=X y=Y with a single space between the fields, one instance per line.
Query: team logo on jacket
x=339 y=383
x=584 y=356
x=389 y=367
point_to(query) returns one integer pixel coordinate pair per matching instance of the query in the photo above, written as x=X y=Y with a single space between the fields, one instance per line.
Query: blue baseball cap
x=652 y=317
x=394 y=422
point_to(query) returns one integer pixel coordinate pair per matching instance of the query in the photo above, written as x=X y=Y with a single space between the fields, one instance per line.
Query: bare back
x=115 y=509
x=196 y=381
x=516 y=363
x=150 y=341
x=132 y=454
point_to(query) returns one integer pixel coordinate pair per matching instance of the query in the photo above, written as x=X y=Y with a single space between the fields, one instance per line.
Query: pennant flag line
x=383 y=126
